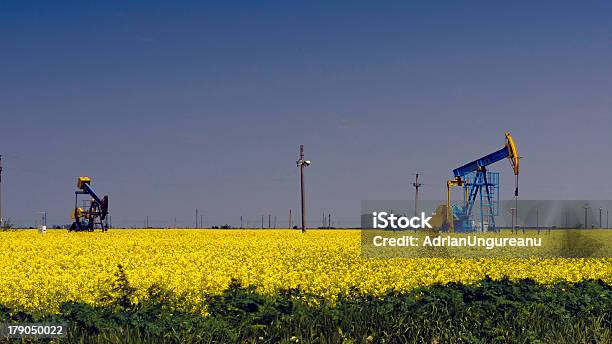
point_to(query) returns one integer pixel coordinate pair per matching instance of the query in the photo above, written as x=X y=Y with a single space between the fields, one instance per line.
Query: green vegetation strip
x=490 y=311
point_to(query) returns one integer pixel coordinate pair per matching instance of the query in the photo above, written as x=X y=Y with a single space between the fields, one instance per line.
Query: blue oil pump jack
x=96 y=213
x=479 y=184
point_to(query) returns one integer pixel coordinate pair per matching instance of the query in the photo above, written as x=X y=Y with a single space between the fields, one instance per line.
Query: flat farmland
x=40 y=272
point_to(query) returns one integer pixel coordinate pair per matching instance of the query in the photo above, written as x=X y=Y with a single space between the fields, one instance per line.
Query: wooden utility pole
x=241 y=221
x=328 y=220
x=196 y=222
x=290 y=219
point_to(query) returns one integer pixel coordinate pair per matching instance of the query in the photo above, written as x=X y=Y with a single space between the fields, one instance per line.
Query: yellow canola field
x=38 y=272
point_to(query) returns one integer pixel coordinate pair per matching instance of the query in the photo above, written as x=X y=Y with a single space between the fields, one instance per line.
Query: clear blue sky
x=177 y=105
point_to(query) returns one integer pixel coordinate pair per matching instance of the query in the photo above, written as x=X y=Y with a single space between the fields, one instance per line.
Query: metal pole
x=269 y=220
x=240 y=221
x=1 y=218
x=416 y=185
x=600 y=224
x=303 y=200
x=290 y=218
x=76 y=220
x=538 y=219
x=585 y=217
x=196 y=219
x=516 y=184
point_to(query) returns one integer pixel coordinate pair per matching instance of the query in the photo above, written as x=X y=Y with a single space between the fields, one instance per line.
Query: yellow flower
x=39 y=272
